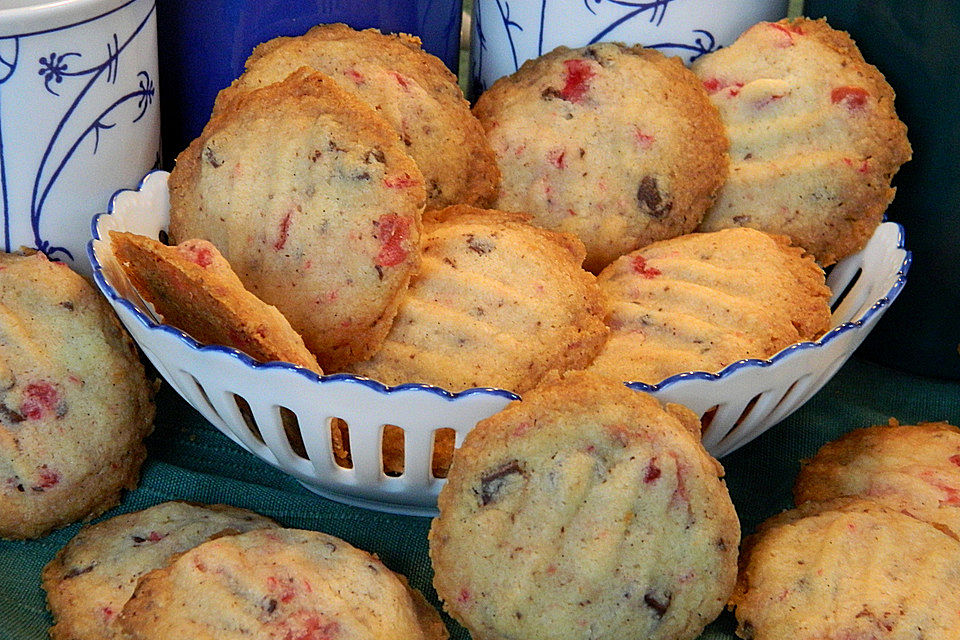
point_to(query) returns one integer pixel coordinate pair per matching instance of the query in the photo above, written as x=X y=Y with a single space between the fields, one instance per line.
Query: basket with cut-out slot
x=301 y=422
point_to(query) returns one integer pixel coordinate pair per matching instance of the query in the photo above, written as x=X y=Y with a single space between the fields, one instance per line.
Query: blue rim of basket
x=107 y=289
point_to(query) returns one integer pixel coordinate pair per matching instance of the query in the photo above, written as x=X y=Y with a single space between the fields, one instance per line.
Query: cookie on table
x=814 y=138
x=278 y=583
x=410 y=88
x=587 y=510
x=618 y=145
x=194 y=288
x=704 y=300
x=75 y=402
x=93 y=576
x=497 y=303
x=857 y=572
x=314 y=202
x=911 y=468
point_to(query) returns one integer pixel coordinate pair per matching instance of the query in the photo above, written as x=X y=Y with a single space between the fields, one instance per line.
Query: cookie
x=314 y=202
x=75 y=402
x=814 y=137
x=704 y=300
x=194 y=288
x=277 y=583
x=587 y=510
x=497 y=303
x=849 y=574
x=93 y=576
x=617 y=145
x=910 y=468
x=410 y=88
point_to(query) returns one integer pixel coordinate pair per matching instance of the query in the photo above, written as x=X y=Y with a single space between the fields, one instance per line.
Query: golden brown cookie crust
x=276 y=583
x=193 y=287
x=846 y=573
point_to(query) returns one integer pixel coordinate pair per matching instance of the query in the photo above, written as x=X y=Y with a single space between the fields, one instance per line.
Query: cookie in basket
x=194 y=288
x=704 y=300
x=410 y=88
x=587 y=510
x=863 y=571
x=75 y=403
x=278 y=583
x=617 y=145
x=911 y=468
x=314 y=202
x=814 y=138
x=497 y=303
x=93 y=576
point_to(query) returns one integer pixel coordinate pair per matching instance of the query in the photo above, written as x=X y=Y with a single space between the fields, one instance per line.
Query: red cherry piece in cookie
x=557 y=157
x=47 y=478
x=201 y=256
x=283 y=233
x=39 y=398
x=392 y=230
x=788 y=33
x=640 y=266
x=577 y=81
x=853 y=98
x=400 y=182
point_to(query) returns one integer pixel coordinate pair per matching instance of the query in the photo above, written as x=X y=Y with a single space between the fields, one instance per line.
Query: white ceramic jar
x=79 y=116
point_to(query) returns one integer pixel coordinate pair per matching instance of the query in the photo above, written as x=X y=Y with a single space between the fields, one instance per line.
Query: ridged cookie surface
x=618 y=145
x=497 y=302
x=857 y=572
x=704 y=300
x=278 y=583
x=587 y=510
x=93 y=576
x=75 y=403
x=410 y=88
x=912 y=468
x=814 y=138
x=314 y=202
x=194 y=288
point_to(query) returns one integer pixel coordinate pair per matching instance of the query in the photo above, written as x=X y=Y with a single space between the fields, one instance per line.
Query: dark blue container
x=203 y=44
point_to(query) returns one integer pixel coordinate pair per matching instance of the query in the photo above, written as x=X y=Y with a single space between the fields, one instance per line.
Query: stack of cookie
x=870 y=551
x=330 y=215
x=182 y=570
x=338 y=171
x=789 y=132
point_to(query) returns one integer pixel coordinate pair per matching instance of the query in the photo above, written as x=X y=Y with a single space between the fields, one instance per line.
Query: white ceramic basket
x=249 y=401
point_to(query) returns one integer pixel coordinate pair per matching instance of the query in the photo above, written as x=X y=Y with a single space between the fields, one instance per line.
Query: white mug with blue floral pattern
x=79 y=117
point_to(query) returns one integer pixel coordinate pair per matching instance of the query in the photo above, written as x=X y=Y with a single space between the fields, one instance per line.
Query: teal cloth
x=190 y=460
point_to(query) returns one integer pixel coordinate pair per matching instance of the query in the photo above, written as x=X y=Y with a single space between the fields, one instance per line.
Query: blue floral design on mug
x=90 y=100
